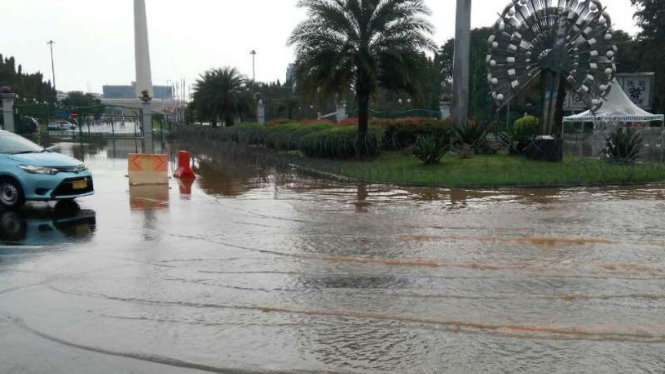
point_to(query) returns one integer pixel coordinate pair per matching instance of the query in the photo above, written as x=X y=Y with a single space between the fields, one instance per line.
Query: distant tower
x=142 y=49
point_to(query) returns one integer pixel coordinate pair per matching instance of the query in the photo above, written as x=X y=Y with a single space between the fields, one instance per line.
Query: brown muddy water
x=262 y=270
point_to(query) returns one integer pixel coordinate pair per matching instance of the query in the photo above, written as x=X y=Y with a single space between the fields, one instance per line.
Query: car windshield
x=13 y=144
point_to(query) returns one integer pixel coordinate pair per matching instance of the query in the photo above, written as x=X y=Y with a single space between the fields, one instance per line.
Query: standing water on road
x=263 y=270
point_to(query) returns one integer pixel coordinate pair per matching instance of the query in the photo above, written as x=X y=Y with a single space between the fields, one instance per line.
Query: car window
x=13 y=144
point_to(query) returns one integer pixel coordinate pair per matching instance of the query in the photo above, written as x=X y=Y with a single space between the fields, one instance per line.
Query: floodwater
x=262 y=270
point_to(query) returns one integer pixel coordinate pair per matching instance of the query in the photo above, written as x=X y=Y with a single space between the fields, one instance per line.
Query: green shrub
x=286 y=137
x=342 y=143
x=527 y=125
x=518 y=137
x=300 y=122
x=472 y=136
x=245 y=133
x=204 y=132
x=403 y=133
x=430 y=148
x=623 y=145
x=281 y=121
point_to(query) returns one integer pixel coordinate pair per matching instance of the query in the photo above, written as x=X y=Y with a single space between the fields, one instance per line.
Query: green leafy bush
x=245 y=133
x=342 y=143
x=623 y=145
x=401 y=133
x=527 y=125
x=430 y=148
x=286 y=137
x=518 y=137
x=473 y=136
x=301 y=122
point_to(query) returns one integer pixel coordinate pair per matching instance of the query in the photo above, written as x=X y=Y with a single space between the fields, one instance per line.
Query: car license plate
x=80 y=185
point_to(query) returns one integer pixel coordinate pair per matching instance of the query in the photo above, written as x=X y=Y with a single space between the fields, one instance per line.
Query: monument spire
x=142 y=49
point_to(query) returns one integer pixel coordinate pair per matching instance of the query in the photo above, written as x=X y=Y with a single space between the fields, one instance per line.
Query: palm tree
x=222 y=95
x=360 y=45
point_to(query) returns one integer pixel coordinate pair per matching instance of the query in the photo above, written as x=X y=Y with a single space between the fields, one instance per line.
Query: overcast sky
x=95 y=38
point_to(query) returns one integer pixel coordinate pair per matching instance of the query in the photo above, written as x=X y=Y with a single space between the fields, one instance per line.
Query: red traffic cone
x=184 y=170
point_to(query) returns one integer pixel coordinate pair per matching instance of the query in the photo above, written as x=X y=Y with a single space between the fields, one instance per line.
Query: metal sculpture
x=552 y=39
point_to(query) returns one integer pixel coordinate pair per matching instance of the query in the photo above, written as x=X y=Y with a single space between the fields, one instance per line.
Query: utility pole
x=253 y=53
x=460 y=107
x=50 y=43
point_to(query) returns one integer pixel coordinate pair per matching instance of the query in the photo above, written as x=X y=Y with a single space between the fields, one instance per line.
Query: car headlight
x=81 y=168
x=38 y=169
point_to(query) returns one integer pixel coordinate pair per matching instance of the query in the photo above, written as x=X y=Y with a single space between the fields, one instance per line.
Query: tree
x=360 y=45
x=79 y=99
x=481 y=106
x=429 y=83
x=651 y=17
x=629 y=58
x=222 y=95
x=30 y=88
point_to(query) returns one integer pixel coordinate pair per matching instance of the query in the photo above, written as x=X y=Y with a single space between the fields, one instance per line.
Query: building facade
x=128 y=92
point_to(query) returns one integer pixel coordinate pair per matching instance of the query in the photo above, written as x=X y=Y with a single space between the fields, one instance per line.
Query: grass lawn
x=494 y=171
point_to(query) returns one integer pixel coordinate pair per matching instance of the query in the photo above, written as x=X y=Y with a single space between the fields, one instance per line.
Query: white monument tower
x=142 y=49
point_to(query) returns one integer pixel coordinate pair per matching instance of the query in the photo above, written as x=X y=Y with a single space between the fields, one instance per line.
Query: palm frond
x=220 y=94
x=361 y=45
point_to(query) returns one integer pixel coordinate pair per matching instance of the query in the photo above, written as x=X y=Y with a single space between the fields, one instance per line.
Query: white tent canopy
x=617 y=108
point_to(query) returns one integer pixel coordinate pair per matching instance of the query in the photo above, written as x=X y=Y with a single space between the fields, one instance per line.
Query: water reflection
x=288 y=274
x=63 y=223
x=458 y=198
x=185 y=186
x=361 y=203
x=149 y=197
x=228 y=178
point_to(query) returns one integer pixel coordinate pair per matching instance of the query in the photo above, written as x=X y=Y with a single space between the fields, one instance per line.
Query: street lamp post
x=50 y=43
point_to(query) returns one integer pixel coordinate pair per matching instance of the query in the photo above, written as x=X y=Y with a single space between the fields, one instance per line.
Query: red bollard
x=184 y=170
x=185 y=186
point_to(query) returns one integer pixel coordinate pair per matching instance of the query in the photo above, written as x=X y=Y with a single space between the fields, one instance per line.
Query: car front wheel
x=11 y=194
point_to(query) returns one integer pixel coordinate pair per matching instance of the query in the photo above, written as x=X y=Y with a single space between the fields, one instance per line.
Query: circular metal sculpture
x=552 y=39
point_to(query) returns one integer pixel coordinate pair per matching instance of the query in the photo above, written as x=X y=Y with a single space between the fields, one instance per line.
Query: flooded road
x=261 y=270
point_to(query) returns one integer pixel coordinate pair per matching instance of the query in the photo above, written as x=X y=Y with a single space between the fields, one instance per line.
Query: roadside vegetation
x=416 y=151
x=363 y=54
x=345 y=45
x=497 y=171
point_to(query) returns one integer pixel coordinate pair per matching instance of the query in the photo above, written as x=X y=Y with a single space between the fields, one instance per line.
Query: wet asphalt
x=254 y=269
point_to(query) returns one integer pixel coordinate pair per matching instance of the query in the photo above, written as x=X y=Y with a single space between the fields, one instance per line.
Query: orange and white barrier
x=146 y=169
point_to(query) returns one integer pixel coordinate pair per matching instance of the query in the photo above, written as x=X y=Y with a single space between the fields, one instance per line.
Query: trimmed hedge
x=402 y=133
x=342 y=143
x=302 y=122
x=246 y=133
x=323 y=140
x=287 y=137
